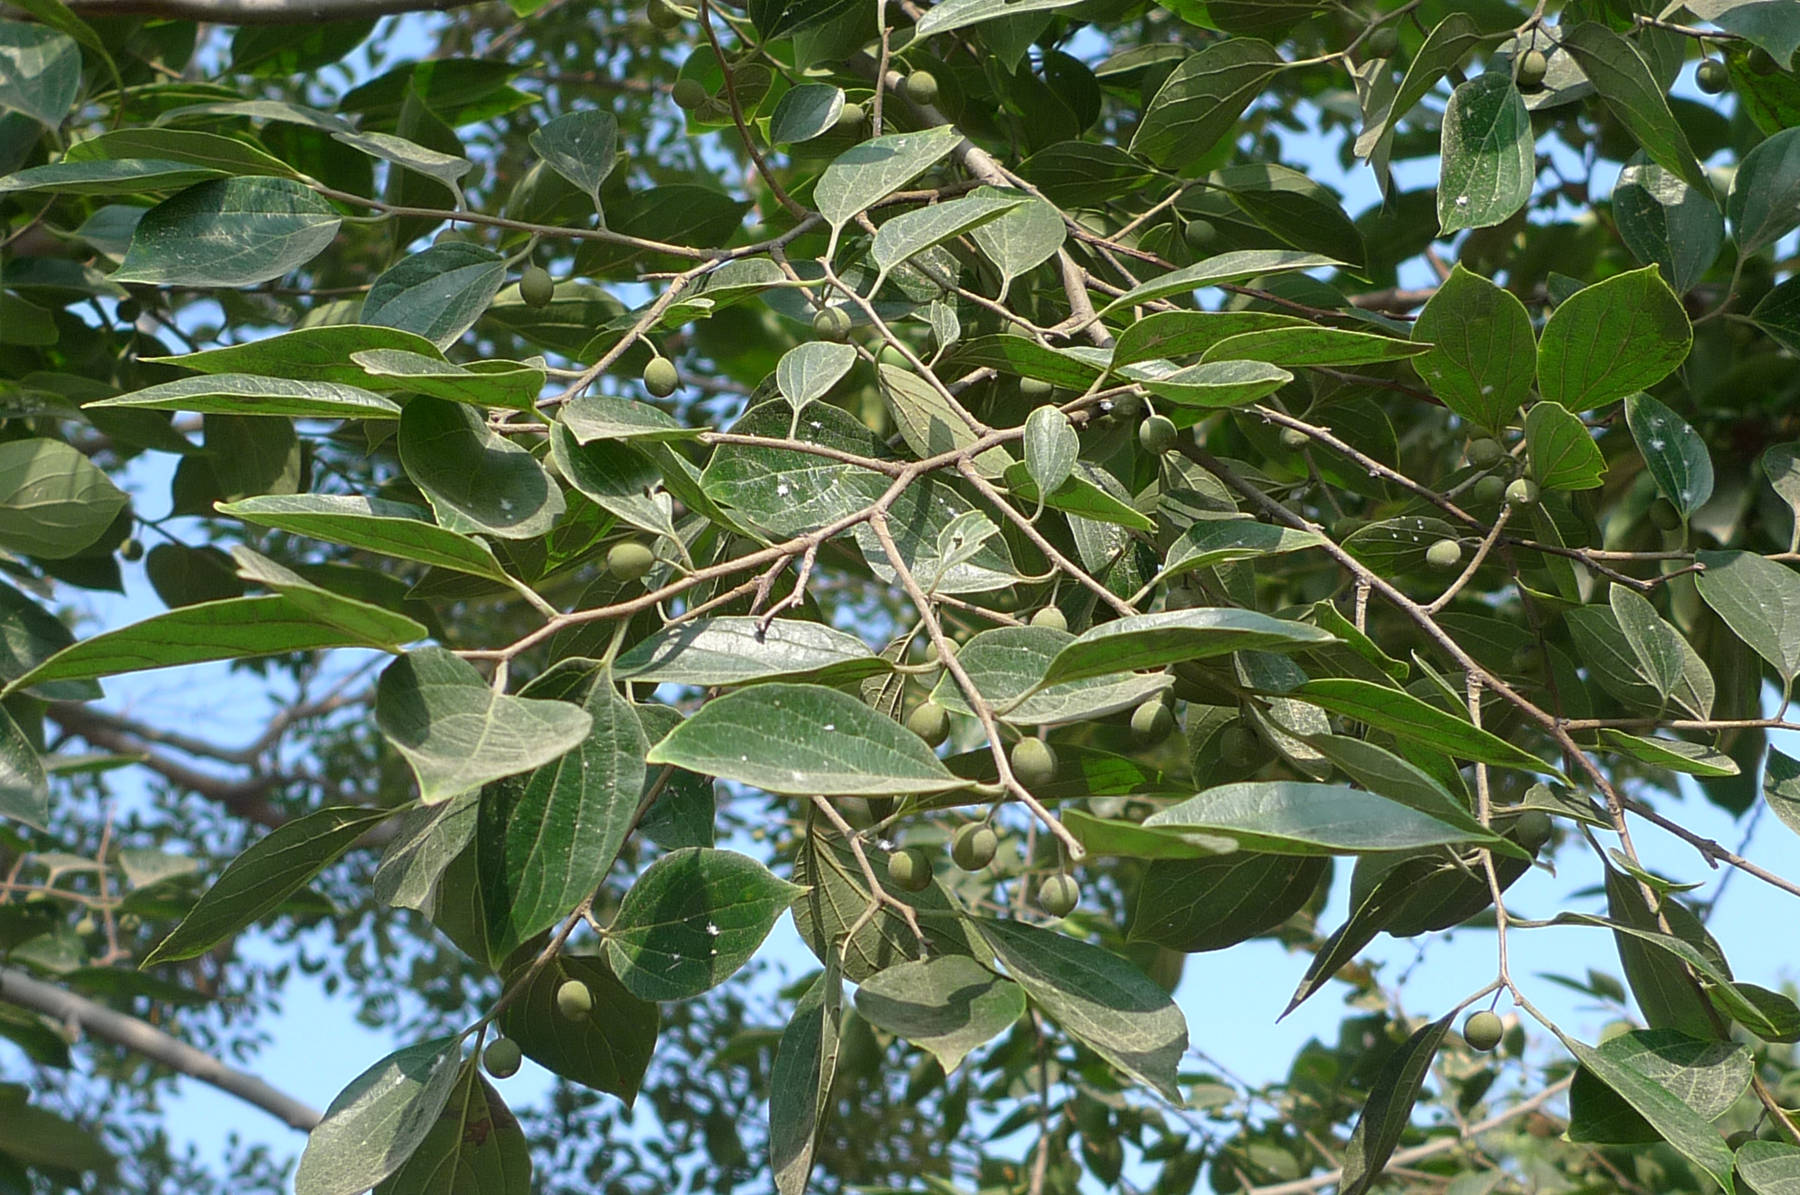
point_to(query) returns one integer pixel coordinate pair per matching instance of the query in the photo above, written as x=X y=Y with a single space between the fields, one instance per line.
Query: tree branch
x=261 y=12
x=140 y=1037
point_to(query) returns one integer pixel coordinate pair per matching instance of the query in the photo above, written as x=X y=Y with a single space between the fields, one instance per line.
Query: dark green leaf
x=1406 y=717
x=1215 y=539
x=1609 y=339
x=1286 y=817
x=737 y=649
x=229 y=232
x=800 y=1081
x=1299 y=347
x=377 y=1122
x=1781 y=787
x=475 y=1148
x=1238 y=266
x=1765 y=193
x=40 y=71
x=1208 y=904
x=1667 y=222
x=24 y=789
x=1674 y=453
x=1203 y=98
x=609 y=1051
x=54 y=502
x=1153 y=640
x=477 y=480
x=1388 y=1111
x=1625 y=82
x=249 y=394
x=1134 y=840
x=1759 y=599
x=1482 y=359
x=947 y=1005
x=438 y=293
x=1488 y=163
x=804 y=112
x=509 y=384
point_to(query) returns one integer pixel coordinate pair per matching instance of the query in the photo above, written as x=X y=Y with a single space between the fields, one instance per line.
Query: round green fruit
x=1127 y=407
x=1200 y=234
x=1035 y=389
x=1058 y=895
x=1664 y=516
x=630 y=561
x=1523 y=492
x=131 y=550
x=1483 y=1031
x=536 y=287
x=1445 y=553
x=1033 y=762
x=930 y=722
x=1485 y=453
x=1532 y=829
x=1712 y=76
x=1151 y=722
x=974 y=846
x=689 y=94
x=910 y=869
x=1489 y=490
x=832 y=323
x=921 y=88
x=1157 y=434
x=850 y=118
x=1533 y=66
x=1382 y=42
x=662 y=14
x=574 y=1001
x=502 y=1057
x=1050 y=617
x=661 y=377
x=1293 y=439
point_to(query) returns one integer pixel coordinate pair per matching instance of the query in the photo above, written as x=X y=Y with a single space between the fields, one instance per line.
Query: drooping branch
x=140 y=1037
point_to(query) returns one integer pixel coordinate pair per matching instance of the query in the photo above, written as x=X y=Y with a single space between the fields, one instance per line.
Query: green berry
x=930 y=722
x=1522 y=492
x=131 y=550
x=630 y=561
x=1712 y=76
x=850 y=118
x=1239 y=746
x=661 y=377
x=574 y=1001
x=1532 y=829
x=1033 y=762
x=1058 y=895
x=1445 y=553
x=974 y=846
x=1485 y=453
x=832 y=323
x=1157 y=434
x=1763 y=62
x=689 y=94
x=1382 y=42
x=502 y=1057
x=1050 y=617
x=1483 y=1031
x=128 y=311
x=662 y=14
x=1035 y=389
x=1293 y=439
x=1200 y=234
x=536 y=287
x=921 y=88
x=1490 y=490
x=1533 y=66
x=1151 y=722
x=910 y=869
x=1664 y=515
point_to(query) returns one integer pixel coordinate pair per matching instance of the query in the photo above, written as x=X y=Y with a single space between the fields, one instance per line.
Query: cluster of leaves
x=971 y=431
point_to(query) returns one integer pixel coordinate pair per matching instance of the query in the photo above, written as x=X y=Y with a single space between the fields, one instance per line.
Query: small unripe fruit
x=1483 y=1031
x=1762 y=62
x=1532 y=829
x=1033 y=762
x=574 y=1001
x=1157 y=434
x=974 y=846
x=1445 y=553
x=1533 y=66
x=1151 y=722
x=1382 y=42
x=1293 y=439
x=536 y=287
x=502 y=1057
x=128 y=310
x=1489 y=490
x=1712 y=76
x=1058 y=895
x=688 y=94
x=1200 y=234
x=661 y=377
x=662 y=14
x=630 y=561
x=850 y=118
x=1485 y=453
x=1238 y=745
x=1522 y=492
x=921 y=87
x=930 y=722
x=833 y=323
x=1664 y=515
x=1050 y=617
x=1035 y=389
x=131 y=550
x=910 y=869
x=86 y=925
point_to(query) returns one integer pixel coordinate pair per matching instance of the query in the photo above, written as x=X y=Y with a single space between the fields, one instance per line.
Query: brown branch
x=261 y=12
x=246 y=798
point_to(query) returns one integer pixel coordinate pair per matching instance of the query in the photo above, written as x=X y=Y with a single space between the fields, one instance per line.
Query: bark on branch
x=140 y=1037
x=261 y=12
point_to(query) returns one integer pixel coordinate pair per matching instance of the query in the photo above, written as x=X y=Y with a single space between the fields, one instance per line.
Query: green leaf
x=1286 y=817
x=1028 y=358
x=800 y=1081
x=24 y=788
x=609 y=1051
x=1674 y=453
x=1601 y=645
x=445 y=168
x=931 y=422
x=620 y=479
x=910 y=233
x=372 y=524
x=1386 y=774
x=40 y=71
x=1051 y=448
x=1609 y=339
x=477 y=480
x=871 y=170
x=1238 y=266
x=1212 y=385
x=54 y=502
x=475 y=1148
x=1563 y=453
x=1633 y=94
x=1677 y=755
x=1203 y=98
x=1488 y=162
x=547 y=839
x=1406 y=717
x=739 y=649
x=426 y=841
x=1303 y=346
x=511 y=384
x=1078 y=496
x=1778 y=314
x=1299 y=211
x=37 y=1136
x=1008 y=665
x=804 y=112
x=947 y=1006
x=1666 y=222
x=1196 y=905
x=1170 y=334
x=1482 y=358
x=269 y=871
x=1387 y=1113
x=229 y=232
x=1444 y=48
x=227 y=155
x=1666 y=992
x=438 y=292
x=1134 y=840
x=1154 y=640
x=374 y=625
x=582 y=146
x=1759 y=600
x=1220 y=538
x=692 y=919
x=808 y=371
x=786 y=492
x=1769 y=1167
x=321 y=354
x=1764 y=204
x=1652 y=1071
x=1098 y=998
x=803 y=739
x=1023 y=238
x=944 y=541
x=249 y=394
x=1781 y=787
x=592 y=417
x=960 y=14
x=133 y=176
x=1657 y=645
x=457 y=733
x=377 y=1122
